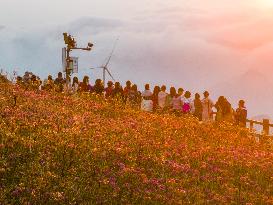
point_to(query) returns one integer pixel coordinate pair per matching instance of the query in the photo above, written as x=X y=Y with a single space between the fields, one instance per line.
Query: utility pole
x=72 y=45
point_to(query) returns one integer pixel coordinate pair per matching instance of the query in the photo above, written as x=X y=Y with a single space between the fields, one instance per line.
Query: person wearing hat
x=241 y=114
x=207 y=104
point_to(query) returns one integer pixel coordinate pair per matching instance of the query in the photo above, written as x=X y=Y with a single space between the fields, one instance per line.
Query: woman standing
x=207 y=104
x=177 y=103
x=188 y=104
x=75 y=85
x=85 y=86
x=147 y=102
x=169 y=99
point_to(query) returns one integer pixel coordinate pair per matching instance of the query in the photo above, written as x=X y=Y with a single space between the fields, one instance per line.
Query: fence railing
x=265 y=124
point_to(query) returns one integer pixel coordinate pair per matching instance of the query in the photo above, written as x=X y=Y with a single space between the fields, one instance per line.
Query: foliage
x=57 y=149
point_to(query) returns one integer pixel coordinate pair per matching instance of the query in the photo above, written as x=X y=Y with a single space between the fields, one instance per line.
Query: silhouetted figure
x=48 y=84
x=67 y=85
x=98 y=87
x=224 y=110
x=155 y=97
x=59 y=83
x=19 y=81
x=162 y=97
x=207 y=104
x=241 y=114
x=109 y=89
x=27 y=78
x=187 y=104
x=34 y=83
x=219 y=105
x=84 y=85
x=180 y=92
x=198 y=108
x=147 y=102
x=117 y=91
x=134 y=96
x=169 y=98
x=126 y=90
x=177 y=103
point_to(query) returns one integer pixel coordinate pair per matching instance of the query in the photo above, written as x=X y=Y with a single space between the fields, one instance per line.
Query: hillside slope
x=58 y=149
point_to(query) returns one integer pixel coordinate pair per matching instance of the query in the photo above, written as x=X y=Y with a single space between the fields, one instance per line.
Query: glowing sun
x=265 y=3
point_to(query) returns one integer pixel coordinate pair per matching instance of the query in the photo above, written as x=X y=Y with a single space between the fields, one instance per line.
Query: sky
x=212 y=45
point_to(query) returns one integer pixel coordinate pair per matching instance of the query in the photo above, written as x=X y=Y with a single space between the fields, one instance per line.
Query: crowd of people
x=176 y=101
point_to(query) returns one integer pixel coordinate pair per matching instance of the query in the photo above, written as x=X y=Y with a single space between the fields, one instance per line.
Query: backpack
x=186 y=108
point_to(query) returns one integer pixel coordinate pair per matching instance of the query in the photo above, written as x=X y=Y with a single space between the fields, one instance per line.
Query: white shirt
x=146 y=93
x=162 y=99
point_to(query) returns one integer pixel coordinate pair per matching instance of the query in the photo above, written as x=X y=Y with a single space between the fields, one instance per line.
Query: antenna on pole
x=72 y=45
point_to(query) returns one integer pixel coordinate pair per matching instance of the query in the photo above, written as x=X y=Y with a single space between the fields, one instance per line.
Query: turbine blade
x=111 y=54
x=110 y=74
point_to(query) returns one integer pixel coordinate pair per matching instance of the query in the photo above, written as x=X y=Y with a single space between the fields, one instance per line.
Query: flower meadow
x=81 y=149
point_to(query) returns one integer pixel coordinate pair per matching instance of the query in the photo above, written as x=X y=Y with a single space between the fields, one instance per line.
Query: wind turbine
x=104 y=67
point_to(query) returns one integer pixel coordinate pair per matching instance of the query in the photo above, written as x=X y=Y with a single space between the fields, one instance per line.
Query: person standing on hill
x=84 y=85
x=169 y=98
x=59 y=82
x=220 y=105
x=224 y=110
x=155 y=97
x=198 y=108
x=67 y=85
x=126 y=90
x=241 y=114
x=48 y=84
x=98 y=87
x=187 y=107
x=26 y=78
x=162 y=97
x=176 y=100
x=109 y=89
x=177 y=103
x=117 y=91
x=35 y=83
x=19 y=81
x=207 y=105
x=147 y=103
x=180 y=92
x=75 y=85
x=134 y=96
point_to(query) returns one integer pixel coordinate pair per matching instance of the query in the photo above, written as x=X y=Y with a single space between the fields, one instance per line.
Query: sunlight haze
x=214 y=45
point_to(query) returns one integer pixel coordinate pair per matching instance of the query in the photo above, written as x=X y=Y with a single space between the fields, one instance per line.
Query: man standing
x=241 y=114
